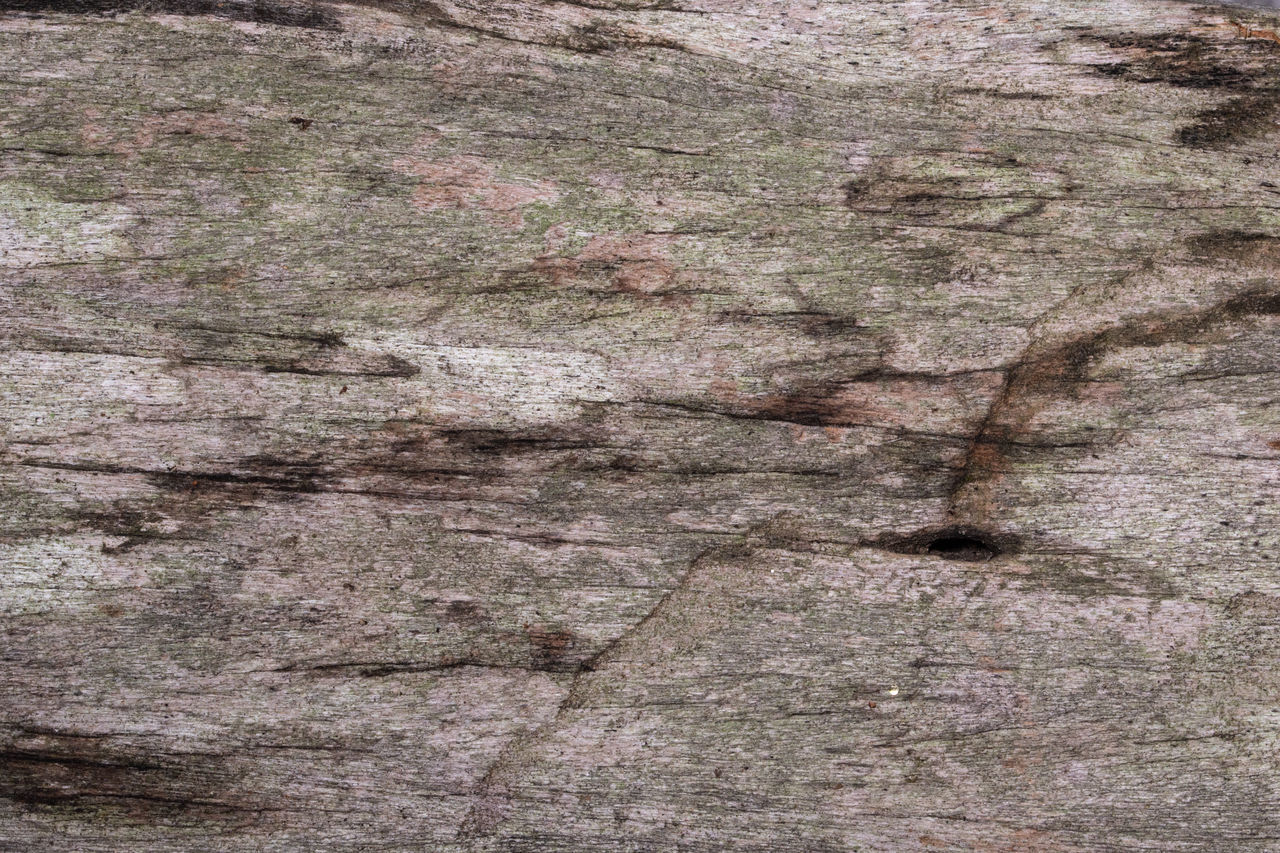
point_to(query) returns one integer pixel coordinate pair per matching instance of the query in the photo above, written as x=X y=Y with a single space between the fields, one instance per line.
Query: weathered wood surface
x=524 y=426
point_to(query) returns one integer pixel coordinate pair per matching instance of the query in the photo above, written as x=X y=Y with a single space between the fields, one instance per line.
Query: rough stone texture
x=630 y=425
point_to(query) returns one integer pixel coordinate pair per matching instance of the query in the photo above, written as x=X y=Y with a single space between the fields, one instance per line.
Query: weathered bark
x=622 y=425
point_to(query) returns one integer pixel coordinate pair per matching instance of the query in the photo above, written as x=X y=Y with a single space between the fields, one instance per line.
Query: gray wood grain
x=630 y=426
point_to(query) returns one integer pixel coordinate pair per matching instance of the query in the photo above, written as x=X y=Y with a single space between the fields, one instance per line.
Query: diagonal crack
x=491 y=793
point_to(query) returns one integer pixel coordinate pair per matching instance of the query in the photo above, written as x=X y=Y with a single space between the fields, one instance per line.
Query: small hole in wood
x=961 y=546
x=955 y=542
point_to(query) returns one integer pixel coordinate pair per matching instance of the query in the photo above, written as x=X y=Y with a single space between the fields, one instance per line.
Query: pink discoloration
x=470 y=183
x=560 y=271
x=641 y=261
x=94 y=135
x=205 y=125
x=645 y=277
x=97 y=134
x=638 y=263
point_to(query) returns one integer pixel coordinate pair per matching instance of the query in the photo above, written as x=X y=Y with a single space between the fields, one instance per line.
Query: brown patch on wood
x=644 y=277
x=346 y=364
x=561 y=272
x=413 y=466
x=465 y=612
x=402 y=459
x=1249 y=32
x=821 y=325
x=250 y=474
x=551 y=648
x=874 y=398
x=634 y=263
x=957 y=189
x=130 y=518
x=821 y=405
x=1193 y=61
x=183 y=501
x=183 y=123
x=306 y=352
x=486 y=447
x=471 y=183
x=1002 y=95
x=1252 y=304
x=638 y=261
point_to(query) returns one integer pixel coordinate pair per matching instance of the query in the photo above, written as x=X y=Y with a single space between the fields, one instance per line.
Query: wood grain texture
x=639 y=425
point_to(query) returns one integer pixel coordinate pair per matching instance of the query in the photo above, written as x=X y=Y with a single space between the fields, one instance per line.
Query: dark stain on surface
x=66 y=771
x=308 y=15
x=304 y=351
x=120 y=518
x=1229 y=243
x=1252 y=304
x=465 y=612
x=593 y=37
x=814 y=406
x=494 y=442
x=1002 y=95
x=1177 y=59
x=372 y=365
x=1247 y=68
x=254 y=473
x=1243 y=117
x=820 y=325
x=854 y=190
x=1253 y=605
x=551 y=648
x=961 y=202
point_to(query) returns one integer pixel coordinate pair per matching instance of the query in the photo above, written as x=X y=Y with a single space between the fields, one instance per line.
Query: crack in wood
x=485 y=814
x=1052 y=371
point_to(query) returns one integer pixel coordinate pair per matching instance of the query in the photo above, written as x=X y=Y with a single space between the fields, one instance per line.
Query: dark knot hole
x=961 y=546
